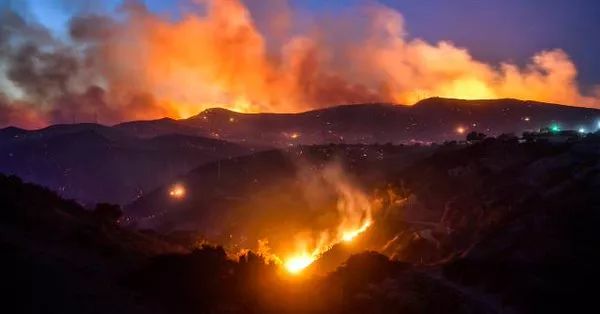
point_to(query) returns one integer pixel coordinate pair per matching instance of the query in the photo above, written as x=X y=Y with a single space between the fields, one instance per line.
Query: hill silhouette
x=491 y=226
x=65 y=259
x=430 y=120
x=58 y=255
x=514 y=220
x=93 y=163
x=129 y=159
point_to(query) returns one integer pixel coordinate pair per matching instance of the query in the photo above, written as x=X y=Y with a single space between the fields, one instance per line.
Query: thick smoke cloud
x=45 y=80
x=247 y=56
x=38 y=74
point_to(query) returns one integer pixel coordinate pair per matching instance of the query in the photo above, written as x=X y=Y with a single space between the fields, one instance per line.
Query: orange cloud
x=219 y=56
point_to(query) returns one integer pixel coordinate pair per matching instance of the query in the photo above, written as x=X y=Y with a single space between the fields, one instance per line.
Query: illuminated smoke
x=354 y=216
x=236 y=55
x=328 y=208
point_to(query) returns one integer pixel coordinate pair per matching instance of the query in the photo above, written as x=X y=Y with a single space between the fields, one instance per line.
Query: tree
x=508 y=138
x=475 y=136
x=529 y=137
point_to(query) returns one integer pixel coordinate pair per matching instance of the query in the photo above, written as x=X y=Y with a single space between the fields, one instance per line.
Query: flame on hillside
x=299 y=261
x=354 y=216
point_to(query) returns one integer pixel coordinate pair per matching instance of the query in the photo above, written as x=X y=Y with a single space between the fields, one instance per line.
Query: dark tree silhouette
x=508 y=138
x=475 y=136
x=107 y=213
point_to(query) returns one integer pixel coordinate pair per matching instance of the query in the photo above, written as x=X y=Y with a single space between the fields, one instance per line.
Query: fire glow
x=229 y=61
x=177 y=191
x=297 y=263
x=231 y=54
x=350 y=235
x=354 y=212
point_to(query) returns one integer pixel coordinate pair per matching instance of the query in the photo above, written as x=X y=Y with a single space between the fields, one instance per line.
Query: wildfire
x=222 y=57
x=177 y=191
x=348 y=236
x=354 y=211
x=299 y=262
x=218 y=56
x=345 y=212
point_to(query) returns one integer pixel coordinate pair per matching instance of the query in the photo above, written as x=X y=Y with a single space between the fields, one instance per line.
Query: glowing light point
x=296 y=264
x=177 y=191
x=460 y=130
x=581 y=130
x=555 y=128
x=294 y=136
x=232 y=119
x=348 y=236
x=526 y=119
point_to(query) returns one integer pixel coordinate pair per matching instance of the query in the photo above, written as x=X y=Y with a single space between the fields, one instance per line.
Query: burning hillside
x=293 y=230
x=292 y=207
x=293 y=156
x=143 y=65
x=491 y=226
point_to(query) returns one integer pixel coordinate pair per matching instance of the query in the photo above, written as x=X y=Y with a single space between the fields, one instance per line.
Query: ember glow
x=348 y=236
x=177 y=191
x=355 y=217
x=297 y=263
x=216 y=56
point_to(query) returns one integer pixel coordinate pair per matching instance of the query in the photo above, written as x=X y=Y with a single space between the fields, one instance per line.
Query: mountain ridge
x=159 y=150
x=420 y=103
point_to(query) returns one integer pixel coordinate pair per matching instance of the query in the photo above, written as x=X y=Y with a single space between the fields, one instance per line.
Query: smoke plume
x=250 y=56
x=329 y=208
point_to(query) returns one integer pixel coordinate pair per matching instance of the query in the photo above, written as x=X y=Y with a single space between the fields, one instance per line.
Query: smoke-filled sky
x=115 y=60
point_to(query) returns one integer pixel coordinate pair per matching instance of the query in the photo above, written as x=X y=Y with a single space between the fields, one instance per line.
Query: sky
x=492 y=30
x=118 y=60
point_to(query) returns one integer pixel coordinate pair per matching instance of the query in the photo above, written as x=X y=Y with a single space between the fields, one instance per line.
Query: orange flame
x=221 y=58
x=354 y=210
x=296 y=263
x=177 y=191
x=150 y=66
x=348 y=236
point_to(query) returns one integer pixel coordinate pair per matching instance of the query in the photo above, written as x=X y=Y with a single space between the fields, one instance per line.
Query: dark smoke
x=39 y=65
x=250 y=56
x=59 y=82
x=42 y=75
x=90 y=28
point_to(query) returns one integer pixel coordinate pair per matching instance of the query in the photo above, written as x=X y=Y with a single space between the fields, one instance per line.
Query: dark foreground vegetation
x=495 y=226
x=64 y=259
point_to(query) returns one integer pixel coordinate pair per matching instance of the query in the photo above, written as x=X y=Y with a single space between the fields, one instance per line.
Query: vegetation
x=492 y=226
